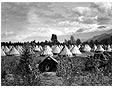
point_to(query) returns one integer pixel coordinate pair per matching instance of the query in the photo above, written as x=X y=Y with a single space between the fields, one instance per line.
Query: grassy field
x=69 y=73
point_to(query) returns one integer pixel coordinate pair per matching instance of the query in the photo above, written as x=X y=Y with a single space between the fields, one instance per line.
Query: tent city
x=56 y=43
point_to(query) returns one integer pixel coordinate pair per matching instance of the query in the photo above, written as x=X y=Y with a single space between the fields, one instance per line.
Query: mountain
x=101 y=37
x=84 y=36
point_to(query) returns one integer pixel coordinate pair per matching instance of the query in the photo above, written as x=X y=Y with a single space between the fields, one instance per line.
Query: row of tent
x=56 y=49
x=11 y=50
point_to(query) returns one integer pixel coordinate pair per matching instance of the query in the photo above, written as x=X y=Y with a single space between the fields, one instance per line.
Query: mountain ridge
x=101 y=37
x=84 y=36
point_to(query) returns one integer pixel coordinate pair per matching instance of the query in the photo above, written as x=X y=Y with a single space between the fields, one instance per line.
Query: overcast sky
x=24 y=21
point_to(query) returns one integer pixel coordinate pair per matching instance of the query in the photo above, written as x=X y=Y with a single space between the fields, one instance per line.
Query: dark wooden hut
x=49 y=64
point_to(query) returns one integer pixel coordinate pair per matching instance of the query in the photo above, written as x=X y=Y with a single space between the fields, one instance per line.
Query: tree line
x=54 y=41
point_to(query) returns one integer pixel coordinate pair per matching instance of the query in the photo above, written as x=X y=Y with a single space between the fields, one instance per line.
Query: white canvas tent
x=79 y=46
x=66 y=52
x=99 y=48
x=94 y=48
x=56 y=50
x=52 y=47
x=10 y=47
x=6 y=50
x=19 y=49
x=47 y=51
x=87 y=48
x=61 y=47
x=48 y=47
x=31 y=51
x=37 y=49
x=2 y=53
x=70 y=47
x=2 y=47
x=40 y=47
x=75 y=50
x=14 y=51
x=109 y=49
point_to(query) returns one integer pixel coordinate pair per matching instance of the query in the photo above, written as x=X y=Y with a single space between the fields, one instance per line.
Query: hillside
x=101 y=37
x=84 y=36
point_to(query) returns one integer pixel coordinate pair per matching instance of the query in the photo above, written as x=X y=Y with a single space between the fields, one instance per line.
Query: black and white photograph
x=56 y=43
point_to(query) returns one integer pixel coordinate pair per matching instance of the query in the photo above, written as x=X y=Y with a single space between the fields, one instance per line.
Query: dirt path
x=50 y=80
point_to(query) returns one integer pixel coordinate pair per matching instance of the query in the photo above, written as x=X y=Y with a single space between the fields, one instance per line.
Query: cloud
x=33 y=33
x=105 y=7
x=28 y=20
x=33 y=19
x=81 y=30
x=100 y=13
x=38 y=27
x=74 y=24
x=75 y=27
x=82 y=11
x=89 y=20
x=85 y=15
x=104 y=10
x=7 y=33
x=43 y=31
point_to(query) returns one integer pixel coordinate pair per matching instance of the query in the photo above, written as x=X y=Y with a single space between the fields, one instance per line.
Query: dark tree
x=54 y=38
x=46 y=42
x=91 y=43
x=107 y=41
x=110 y=41
x=25 y=62
x=66 y=42
x=78 y=41
x=33 y=43
x=72 y=40
x=96 y=42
